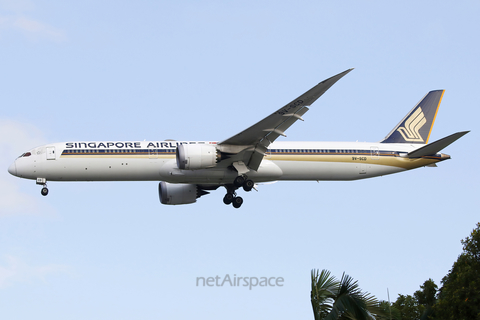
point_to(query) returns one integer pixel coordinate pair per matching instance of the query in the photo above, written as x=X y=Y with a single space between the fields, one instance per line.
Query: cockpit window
x=26 y=154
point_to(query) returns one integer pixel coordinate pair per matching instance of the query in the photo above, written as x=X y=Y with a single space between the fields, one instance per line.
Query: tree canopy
x=459 y=296
x=457 y=299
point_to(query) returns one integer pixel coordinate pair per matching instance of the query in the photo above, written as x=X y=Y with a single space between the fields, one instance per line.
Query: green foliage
x=332 y=299
x=459 y=297
x=427 y=296
x=418 y=306
x=408 y=307
x=388 y=311
x=471 y=245
x=323 y=291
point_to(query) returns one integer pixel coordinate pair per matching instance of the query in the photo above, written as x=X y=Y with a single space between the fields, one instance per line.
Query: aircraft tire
x=44 y=191
x=228 y=198
x=237 y=202
x=248 y=185
x=239 y=181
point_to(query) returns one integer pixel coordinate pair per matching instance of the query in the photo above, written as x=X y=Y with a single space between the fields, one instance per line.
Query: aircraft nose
x=13 y=169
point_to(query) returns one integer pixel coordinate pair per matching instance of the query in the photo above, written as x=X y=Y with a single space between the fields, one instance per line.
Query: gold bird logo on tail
x=412 y=125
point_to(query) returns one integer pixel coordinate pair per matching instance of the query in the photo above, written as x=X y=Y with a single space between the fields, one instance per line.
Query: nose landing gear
x=43 y=182
x=44 y=191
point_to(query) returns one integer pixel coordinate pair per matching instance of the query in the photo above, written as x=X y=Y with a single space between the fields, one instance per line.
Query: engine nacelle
x=172 y=193
x=196 y=156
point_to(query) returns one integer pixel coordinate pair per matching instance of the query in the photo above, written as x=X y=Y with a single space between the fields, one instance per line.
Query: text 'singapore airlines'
x=187 y=170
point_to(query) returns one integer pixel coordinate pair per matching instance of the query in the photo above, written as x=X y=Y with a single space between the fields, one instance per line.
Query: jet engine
x=172 y=193
x=197 y=156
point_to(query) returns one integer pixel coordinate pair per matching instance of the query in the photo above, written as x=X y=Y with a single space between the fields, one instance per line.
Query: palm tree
x=323 y=292
x=339 y=300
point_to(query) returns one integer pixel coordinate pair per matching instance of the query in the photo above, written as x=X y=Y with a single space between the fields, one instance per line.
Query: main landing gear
x=242 y=181
x=231 y=196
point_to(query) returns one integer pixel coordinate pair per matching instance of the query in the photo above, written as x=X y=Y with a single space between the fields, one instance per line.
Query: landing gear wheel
x=44 y=191
x=248 y=185
x=239 y=181
x=228 y=198
x=237 y=202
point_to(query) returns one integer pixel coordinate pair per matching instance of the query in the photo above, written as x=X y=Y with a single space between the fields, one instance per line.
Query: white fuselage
x=155 y=160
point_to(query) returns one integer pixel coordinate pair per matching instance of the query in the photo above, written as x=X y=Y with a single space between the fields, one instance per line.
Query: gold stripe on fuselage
x=390 y=160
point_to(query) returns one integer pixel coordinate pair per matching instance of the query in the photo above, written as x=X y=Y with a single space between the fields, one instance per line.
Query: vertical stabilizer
x=418 y=123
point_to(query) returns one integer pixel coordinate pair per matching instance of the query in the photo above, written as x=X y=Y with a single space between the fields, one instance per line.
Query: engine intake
x=197 y=156
x=172 y=193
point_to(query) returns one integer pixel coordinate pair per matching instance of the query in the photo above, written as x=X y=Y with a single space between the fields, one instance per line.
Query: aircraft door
x=152 y=153
x=51 y=153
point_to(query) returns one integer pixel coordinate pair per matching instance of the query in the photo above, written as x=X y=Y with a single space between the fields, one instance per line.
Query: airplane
x=187 y=170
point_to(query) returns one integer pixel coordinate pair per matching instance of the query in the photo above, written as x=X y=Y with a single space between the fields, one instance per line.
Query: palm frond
x=341 y=300
x=323 y=291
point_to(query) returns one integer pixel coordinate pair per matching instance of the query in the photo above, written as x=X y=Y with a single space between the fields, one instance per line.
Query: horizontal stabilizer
x=434 y=147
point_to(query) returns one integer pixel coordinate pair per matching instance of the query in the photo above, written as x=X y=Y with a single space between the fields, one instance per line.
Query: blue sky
x=205 y=70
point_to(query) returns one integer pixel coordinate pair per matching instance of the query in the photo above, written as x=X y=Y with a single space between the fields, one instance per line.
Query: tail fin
x=418 y=123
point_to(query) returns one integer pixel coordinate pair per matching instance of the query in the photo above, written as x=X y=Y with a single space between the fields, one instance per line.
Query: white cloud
x=37 y=30
x=17 y=270
x=16 y=138
x=32 y=29
x=13 y=201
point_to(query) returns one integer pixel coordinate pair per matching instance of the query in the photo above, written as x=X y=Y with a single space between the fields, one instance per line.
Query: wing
x=250 y=145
